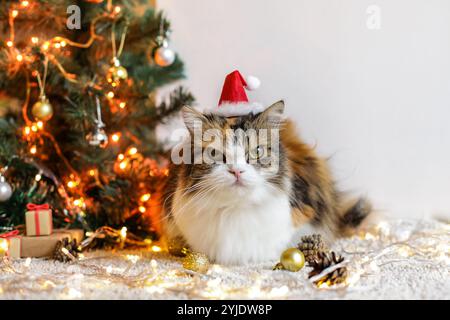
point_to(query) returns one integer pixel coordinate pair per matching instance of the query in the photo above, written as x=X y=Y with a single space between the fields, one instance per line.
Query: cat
x=237 y=212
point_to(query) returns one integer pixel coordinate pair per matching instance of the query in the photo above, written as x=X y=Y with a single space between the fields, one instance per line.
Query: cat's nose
x=237 y=172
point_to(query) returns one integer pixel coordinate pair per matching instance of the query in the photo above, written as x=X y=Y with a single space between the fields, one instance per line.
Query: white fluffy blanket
x=392 y=260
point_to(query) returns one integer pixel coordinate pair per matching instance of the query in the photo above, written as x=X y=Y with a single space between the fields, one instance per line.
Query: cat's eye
x=216 y=155
x=257 y=152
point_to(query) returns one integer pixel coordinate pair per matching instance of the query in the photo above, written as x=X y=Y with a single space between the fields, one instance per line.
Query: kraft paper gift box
x=10 y=244
x=44 y=246
x=38 y=220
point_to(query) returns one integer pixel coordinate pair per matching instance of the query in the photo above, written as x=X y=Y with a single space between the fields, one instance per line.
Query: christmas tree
x=78 y=111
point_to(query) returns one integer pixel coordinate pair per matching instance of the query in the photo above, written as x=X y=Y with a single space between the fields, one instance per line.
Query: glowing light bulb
x=26 y=130
x=123 y=165
x=34 y=40
x=115 y=137
x=71 y=184
x=19 y=57
x=404 y=252
x=133 y=258
x=254 y=291
x=92 y=172
x=45 y=46
x=25 y=3
x=132 y=151
x=27 y=262
x=38 y=177
x=122 y=105
x=9 y=43
x=78 y=202
x=110 y=95
x=145 y=197
x=156 y=249
x=57 y=45
x=63 y=43
x=3 y=245
x=121 y=73
x=14 y=13
x=74 y=293
x=369 y=236
x=279 y=292
x=323 y=285
x=40 y=124
x=34 y=128
x=123 y=232
x=33 y=150
x=120 y=156
x=142 y=209
x=117 y=9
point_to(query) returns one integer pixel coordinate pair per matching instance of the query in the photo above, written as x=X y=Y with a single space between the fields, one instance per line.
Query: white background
x=376 y=101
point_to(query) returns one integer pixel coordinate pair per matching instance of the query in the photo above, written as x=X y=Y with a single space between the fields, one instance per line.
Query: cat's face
x=239 y=156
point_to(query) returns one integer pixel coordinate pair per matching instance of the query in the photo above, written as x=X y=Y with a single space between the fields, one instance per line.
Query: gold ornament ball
x=177 y=248
x=197 y=262
x=117 y=73
x=42 y=110
x=292 y=259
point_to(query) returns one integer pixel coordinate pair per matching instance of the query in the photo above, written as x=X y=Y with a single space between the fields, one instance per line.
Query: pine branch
x=112 y=195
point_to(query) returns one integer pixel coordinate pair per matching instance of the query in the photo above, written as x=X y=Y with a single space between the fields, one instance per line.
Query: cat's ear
x=274 y=113
x=192 y=118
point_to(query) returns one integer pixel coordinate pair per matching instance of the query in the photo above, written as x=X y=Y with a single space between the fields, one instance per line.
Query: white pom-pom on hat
x=253 y=82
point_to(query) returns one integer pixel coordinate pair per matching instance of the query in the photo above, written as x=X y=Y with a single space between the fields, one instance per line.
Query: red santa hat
x=233 y=100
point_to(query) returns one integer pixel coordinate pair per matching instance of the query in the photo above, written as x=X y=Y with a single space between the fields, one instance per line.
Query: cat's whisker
x=187 y=189
x=254 y=216
x=208 y=197
x=195 y=198
x=197 y=186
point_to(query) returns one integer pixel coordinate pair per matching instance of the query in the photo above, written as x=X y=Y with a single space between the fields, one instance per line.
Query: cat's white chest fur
x=236 y=229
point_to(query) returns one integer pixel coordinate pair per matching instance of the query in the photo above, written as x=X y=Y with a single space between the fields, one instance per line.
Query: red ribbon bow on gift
x=9 y=234
x=35 y=207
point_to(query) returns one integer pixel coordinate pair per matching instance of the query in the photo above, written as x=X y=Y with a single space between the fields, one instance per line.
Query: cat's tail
x=353 y=214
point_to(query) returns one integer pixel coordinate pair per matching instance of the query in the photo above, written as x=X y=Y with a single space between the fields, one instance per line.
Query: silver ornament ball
x=5 y=190
x=98 y=138
x=164 y=56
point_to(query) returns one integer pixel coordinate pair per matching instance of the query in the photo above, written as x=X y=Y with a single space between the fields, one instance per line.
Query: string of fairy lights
x=23 y=59
x=430 y=248
x=419 y=245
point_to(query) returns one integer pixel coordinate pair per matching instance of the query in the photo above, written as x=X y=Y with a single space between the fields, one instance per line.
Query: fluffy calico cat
x=237 y=211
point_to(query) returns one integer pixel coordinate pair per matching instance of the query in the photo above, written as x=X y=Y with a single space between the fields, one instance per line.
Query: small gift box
x=44 y=246
x=38 y=220
x=10 y=244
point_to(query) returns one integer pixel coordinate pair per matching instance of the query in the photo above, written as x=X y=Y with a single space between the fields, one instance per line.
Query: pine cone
x=324 y=260
x=278 y=266
x=311 y=246
x=71 y=247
